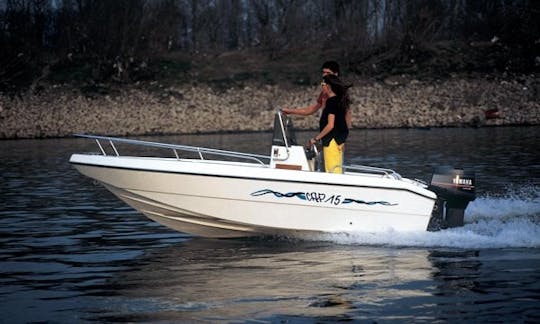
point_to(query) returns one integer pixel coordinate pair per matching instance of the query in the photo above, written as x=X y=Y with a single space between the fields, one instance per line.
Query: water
x=71 y=252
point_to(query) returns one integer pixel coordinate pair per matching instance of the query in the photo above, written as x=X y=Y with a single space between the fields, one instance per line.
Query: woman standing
x=333 y=129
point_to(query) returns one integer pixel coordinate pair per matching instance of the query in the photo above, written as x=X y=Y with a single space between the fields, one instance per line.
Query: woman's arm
x=327 y=129
x=304 y=111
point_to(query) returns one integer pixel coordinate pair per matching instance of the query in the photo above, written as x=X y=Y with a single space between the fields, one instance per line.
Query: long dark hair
x=340 y=89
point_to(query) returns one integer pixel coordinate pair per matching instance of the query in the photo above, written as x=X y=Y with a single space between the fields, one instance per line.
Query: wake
x=511 y=220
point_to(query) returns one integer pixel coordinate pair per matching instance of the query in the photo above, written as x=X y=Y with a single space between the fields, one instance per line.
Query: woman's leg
x=333 y=157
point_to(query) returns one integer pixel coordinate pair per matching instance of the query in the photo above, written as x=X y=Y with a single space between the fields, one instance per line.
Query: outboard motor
x=454 y=189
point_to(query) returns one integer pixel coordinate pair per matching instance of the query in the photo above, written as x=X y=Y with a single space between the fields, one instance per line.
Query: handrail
x=385 y=172
x=200 y=150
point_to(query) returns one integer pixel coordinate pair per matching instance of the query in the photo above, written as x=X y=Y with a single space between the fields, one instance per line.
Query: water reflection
x=254 y=279
x=456 y=271
x=470 y=285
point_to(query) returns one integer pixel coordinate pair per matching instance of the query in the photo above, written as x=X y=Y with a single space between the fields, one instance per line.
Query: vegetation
x=96 y=43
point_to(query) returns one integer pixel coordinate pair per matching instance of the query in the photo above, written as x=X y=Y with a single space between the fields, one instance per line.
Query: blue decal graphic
x=319 y=197
x=384 y=203
x=300 y=195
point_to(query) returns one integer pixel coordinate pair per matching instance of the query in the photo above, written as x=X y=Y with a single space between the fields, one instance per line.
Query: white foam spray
x=511 y=220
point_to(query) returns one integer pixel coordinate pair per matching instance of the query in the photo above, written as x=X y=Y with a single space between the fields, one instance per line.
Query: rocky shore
x=61 y=111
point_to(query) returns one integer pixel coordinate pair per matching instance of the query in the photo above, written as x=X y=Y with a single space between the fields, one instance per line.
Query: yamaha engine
x=454 y=189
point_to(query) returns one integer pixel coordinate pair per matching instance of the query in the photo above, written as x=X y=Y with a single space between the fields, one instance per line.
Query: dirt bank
x=398 y=102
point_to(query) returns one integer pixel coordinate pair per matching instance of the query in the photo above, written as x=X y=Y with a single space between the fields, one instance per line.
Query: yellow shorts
x=333 y=157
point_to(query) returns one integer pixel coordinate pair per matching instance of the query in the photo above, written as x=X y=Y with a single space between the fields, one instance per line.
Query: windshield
x=288 y=128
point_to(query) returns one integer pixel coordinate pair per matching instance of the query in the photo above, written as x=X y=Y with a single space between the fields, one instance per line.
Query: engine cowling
x=455 y=188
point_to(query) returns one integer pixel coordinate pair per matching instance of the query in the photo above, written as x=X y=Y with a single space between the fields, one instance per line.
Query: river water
x=71 y=252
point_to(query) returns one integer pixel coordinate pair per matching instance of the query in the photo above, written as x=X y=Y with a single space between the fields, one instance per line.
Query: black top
x=340 y=130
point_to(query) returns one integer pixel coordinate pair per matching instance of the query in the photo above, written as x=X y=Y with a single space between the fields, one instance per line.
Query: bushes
x=130 y=40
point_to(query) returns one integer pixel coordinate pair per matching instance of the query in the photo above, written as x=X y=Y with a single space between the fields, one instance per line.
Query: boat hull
x=235 y=200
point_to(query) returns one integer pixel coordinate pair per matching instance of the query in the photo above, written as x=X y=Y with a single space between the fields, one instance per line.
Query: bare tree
x=115 y=34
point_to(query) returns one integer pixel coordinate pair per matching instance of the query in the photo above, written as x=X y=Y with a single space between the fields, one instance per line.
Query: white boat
x=224 y=194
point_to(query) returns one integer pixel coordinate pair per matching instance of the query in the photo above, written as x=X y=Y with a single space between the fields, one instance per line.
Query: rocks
x=61 y=112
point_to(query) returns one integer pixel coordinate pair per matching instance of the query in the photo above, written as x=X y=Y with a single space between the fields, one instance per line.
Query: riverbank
x=61 y=111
